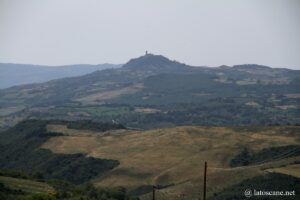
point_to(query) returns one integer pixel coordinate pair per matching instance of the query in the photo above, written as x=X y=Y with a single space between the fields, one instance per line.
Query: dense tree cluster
x=246 y=157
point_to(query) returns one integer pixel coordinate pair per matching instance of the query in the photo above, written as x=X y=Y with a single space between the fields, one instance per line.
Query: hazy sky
x=197 y=32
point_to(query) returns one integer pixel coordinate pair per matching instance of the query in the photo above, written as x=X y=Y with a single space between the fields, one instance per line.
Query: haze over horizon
x=198 y=33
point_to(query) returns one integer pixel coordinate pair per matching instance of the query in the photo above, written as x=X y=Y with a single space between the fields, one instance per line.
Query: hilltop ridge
x=157 y=63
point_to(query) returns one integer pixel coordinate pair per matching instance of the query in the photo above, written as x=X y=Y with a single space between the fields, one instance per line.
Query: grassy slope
x=28 y=186
x=176 y=155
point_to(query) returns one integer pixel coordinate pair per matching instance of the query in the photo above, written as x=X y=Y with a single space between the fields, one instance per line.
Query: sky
x=195 y=32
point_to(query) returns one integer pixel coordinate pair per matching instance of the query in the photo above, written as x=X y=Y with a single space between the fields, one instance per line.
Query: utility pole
x=182 y=196
x=153 y=192
x=204 y=181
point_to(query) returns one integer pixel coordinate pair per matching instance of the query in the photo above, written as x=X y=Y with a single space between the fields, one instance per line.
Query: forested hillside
x=153 y=91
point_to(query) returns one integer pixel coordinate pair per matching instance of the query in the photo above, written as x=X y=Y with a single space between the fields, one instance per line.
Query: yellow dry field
x=175 y=155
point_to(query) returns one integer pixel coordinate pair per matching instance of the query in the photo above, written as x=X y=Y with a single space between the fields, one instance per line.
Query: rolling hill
x=153 y=91
x=171 y=158
x=174 y=157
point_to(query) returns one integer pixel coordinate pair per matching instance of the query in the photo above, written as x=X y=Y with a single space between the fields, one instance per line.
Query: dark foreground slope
x=269 y=182
x=31 y=189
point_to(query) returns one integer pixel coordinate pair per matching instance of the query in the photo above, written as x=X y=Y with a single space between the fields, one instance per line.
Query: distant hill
x=18 y=74
x=154 y=91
